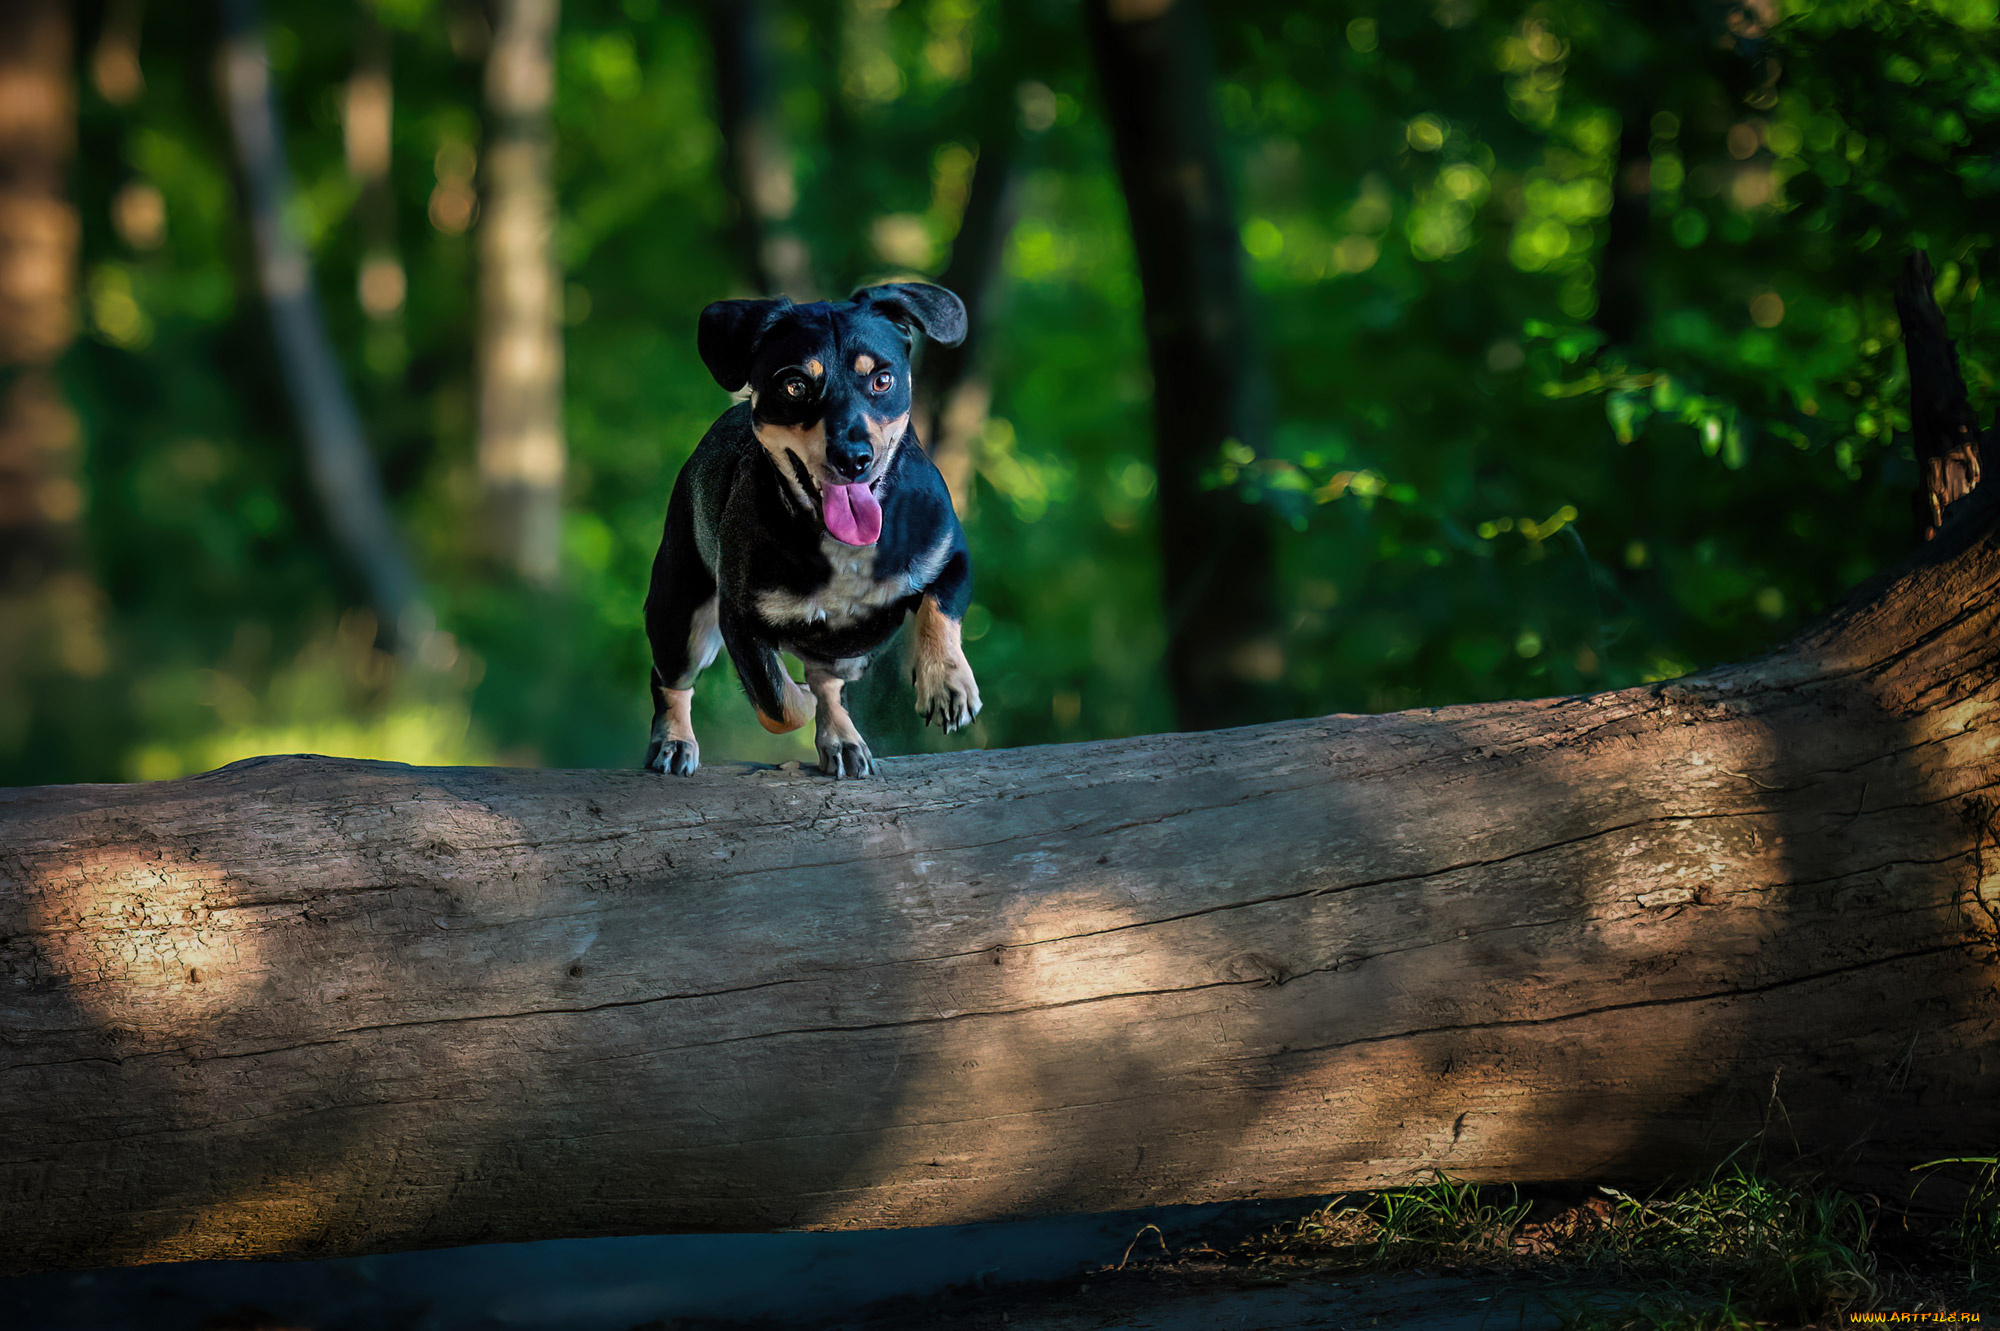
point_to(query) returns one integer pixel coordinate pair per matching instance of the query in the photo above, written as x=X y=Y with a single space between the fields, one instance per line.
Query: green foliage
x=1483 y=494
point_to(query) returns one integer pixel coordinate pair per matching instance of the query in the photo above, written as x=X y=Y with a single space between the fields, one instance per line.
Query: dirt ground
x=1201 y=1296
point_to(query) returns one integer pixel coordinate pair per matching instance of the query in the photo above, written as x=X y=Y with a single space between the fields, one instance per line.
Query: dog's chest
x=852 y=592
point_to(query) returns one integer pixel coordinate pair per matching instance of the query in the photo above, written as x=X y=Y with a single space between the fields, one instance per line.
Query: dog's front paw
x=844 y=756
x=679 y=756
x=946 y=692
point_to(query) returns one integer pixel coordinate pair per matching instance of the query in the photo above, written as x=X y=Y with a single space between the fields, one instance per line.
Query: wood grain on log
x=307 y=1007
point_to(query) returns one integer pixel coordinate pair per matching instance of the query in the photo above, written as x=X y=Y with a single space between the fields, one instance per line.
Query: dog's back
x=712 y=474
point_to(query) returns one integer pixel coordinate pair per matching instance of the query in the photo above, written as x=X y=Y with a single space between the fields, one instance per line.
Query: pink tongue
x=852 y=514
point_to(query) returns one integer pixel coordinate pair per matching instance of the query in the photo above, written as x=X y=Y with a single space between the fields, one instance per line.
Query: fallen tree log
x=307 y=1007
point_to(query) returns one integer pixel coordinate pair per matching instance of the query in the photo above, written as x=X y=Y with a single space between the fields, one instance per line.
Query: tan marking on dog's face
x=883 y=438
x=815 y=369
x=807 y=443
x=864 y=363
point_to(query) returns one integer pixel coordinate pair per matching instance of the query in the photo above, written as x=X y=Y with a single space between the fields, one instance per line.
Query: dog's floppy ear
x=729 y=333
x=936 y=311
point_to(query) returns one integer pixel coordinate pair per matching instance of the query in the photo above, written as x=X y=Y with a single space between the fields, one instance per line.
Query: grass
x=1975 y=1231
x=1740 y=1249
x=1445 y=1222
x=1801 y=1252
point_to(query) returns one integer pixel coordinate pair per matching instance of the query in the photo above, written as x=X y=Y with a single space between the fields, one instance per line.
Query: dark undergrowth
x=1744 y=1248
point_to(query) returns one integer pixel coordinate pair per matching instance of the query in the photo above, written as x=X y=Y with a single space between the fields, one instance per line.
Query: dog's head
x=830 y=387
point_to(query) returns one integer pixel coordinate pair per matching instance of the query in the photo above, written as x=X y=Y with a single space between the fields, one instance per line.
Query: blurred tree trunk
x=1225 y=652
x=50 y=610
x=1681 y=41
x=1621 y=292
x=342 y=466
x=114 y=64
x=522 y=452
x=953 y=393
x=756 y=158
x=367 y=120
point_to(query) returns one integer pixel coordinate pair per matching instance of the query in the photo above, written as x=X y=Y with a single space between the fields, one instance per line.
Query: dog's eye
x=795 y=388
x=880 y=383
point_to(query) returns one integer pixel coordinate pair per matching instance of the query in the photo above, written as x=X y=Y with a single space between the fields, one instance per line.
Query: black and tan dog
x=810 y=520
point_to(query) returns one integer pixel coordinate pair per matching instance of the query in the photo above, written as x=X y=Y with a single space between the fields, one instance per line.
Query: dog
x=810 y=520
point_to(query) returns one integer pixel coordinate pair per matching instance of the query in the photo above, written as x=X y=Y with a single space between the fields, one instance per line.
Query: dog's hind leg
x=782 y=706
x=842 y=751
x=682 y=627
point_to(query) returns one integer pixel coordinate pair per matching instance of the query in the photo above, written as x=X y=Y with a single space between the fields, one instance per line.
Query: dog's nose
x=848 y=458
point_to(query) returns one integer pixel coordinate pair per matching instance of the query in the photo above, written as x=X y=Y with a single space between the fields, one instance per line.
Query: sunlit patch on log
x=144 y=940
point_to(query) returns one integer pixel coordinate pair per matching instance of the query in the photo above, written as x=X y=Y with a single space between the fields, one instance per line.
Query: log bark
x=304 y=1007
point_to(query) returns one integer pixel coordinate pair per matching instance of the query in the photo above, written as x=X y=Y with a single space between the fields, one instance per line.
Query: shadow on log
x=304 y=1007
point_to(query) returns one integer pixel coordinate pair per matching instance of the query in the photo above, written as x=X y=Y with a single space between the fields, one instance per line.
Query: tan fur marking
x=680 y=714
x=809 y=444
x=798 y=708
x=940 y=638
x=832 y=713
x=946 y=688
x=863 y=363
x=884 y=437
x=842 y=751
x=815 y=369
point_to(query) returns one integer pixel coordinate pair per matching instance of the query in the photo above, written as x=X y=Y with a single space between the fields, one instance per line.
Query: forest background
x=1536 y=348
